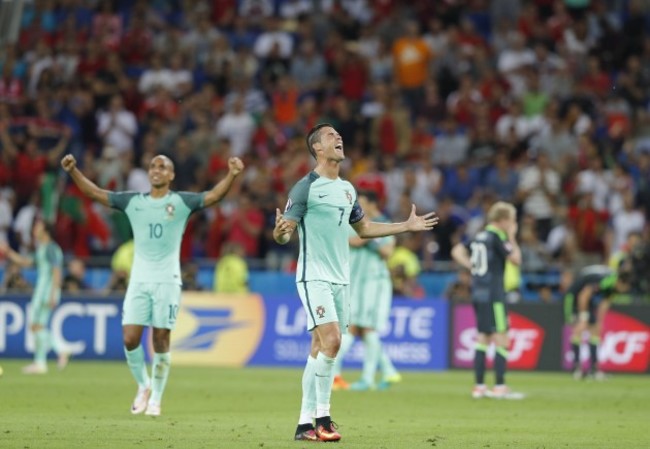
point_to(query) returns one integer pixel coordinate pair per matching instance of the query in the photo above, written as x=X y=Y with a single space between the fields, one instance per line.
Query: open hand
x=421 y=222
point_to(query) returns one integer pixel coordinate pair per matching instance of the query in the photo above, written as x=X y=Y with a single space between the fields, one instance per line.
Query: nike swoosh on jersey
x=323 y=196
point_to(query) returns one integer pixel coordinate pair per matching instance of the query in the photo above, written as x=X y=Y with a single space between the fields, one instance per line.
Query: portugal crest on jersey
x=320 y=311
x=348 y=195
x=170 y=209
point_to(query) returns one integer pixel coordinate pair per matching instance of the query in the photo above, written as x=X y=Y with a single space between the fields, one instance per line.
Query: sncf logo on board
x=625 y=345
x=526 y=340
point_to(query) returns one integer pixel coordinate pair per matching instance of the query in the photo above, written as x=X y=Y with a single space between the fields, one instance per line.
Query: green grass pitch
x=87 y=406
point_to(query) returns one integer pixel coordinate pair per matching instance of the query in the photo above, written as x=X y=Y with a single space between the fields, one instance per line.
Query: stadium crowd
x=448 y=105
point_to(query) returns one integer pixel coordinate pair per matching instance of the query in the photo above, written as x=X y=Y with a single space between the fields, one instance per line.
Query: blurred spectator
x=533 y=251
x=237 y=125
x=73 y=281
x=199 y=40
x=121 y=264
x=451 y=144
x=189 y=273
x=404 y=267
x=231 y=271
x=460 y=291
x=449 y=230
x=501 y=180
x=589 y=224
x=271 y=37
x=308 y=68
x=411 y=57
x=29 y=160
x=117 y=126
x=6 y=213
x=244 y=225
x=629 y=220
x=186 y=166
x=13 y=280
x=539 y=187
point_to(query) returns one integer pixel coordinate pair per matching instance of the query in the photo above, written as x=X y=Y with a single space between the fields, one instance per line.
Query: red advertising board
x=625 y=344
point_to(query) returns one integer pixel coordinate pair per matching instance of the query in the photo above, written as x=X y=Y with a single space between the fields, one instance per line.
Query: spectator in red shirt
x=29 y=162
x=245 y=225
x=136 y=44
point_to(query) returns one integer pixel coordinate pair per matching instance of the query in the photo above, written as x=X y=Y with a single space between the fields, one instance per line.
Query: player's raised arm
x=88 y=188
x=370 y=229
x=216 y=194
x=13 y=256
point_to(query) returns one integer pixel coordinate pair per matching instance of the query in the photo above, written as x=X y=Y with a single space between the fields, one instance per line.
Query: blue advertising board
x=416 y=338
x=86 y=328
x=234 y=330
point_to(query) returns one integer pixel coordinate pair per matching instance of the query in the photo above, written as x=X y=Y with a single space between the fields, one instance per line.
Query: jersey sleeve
x=296 y=206
x=607 y=284
x=54 y=256
x=194 y=201
x=120 y=200
x=501 y=246
x=357 y=213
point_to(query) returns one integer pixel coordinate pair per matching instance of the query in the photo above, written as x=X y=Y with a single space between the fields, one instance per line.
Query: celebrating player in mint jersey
x=158 y=220
x=321 y=205
x=371 y=295
x=47 y=294
x=486 y=259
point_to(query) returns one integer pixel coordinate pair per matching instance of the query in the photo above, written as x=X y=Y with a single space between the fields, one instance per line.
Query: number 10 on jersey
x=155 y=230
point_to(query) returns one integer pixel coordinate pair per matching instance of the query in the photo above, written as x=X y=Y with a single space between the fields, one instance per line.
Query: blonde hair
x=501 y=211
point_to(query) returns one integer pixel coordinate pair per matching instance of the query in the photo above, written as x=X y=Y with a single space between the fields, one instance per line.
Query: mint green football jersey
x=323 y=208
x=47 y=257
x=365 y=261
x=158 y=225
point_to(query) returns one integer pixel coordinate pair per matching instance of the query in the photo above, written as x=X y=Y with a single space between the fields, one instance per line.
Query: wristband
x=583 y=316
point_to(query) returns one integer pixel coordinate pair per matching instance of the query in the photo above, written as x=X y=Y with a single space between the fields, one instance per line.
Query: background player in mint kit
x=486 y=259
x=158 y=220
x=322 y=205
x=371 y=295
x=48 y=259
x=585 y=305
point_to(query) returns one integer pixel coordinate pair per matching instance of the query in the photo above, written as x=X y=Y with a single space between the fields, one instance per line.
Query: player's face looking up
x=330 y=144
x=161 y=172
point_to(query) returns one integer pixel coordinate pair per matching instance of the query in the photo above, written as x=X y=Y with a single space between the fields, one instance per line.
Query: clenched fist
x=68 y=163
x=235 y=166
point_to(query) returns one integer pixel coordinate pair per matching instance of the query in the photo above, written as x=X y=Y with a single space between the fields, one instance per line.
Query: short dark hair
x=314 y=136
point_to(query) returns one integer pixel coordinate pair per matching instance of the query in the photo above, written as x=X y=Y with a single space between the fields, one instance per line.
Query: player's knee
x=331 y=342
x=131 y=340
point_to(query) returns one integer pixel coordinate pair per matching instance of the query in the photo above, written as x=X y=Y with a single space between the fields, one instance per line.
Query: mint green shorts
x=151 y=304
x=39 y=309
x=370 y=303
x=324 y=303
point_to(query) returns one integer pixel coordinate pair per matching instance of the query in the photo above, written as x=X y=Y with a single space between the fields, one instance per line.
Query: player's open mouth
x=339 y=147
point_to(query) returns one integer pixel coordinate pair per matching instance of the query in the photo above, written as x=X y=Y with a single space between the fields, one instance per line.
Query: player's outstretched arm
x=370 y=229
x=216 y=194
x=14 y=257
x=88 y=188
